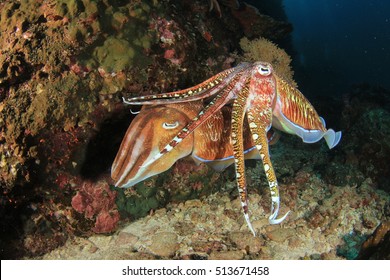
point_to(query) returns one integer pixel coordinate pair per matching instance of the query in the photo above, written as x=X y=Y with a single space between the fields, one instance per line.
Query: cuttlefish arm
x=294 y=114
x=206 y=89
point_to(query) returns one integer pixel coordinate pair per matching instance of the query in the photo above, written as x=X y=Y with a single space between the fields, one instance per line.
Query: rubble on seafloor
x=213 y=227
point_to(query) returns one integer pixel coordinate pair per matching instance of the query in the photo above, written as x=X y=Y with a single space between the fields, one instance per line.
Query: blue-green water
x=339 y=43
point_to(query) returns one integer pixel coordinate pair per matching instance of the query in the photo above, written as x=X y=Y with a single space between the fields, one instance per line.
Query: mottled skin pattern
x=260 y=96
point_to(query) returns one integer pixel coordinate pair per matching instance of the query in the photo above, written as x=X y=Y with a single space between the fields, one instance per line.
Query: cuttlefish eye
x=170 y=125
x=264 y=70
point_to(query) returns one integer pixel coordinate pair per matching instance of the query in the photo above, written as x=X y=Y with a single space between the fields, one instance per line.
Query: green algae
x=115 y=36
x=352 y=245
x=127 y=39
x=16 y=16
x=142 y=200
x=115 y=55
x=65 y=101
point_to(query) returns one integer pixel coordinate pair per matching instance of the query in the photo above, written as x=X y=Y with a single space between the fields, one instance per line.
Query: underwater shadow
x=102 y=147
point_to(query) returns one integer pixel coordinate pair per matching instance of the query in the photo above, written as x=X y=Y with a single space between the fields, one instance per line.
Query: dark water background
x=338 y=43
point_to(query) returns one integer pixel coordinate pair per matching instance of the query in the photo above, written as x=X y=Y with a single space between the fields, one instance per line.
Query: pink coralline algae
x=97 y=201
x=166 y=30
x=173 y=39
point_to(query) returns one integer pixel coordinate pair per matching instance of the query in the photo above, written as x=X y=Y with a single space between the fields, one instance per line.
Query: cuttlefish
x=154 y=126
x=257 y=96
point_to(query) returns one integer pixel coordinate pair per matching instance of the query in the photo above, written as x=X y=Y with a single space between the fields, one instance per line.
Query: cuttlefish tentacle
x=259 y=125
x=238 y=113
x=255 y=99
x=208 y=88
x=260 y=102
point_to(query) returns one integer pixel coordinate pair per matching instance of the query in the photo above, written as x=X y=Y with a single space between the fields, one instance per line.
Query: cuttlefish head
x=147 y=135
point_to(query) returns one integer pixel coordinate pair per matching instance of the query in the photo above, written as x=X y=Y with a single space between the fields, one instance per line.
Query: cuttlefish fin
x=332 y=138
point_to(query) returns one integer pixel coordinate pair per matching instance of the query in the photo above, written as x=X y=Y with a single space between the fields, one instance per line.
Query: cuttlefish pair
x=241 y=106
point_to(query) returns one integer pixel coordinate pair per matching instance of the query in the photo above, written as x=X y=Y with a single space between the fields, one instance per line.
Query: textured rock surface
x=213 y=227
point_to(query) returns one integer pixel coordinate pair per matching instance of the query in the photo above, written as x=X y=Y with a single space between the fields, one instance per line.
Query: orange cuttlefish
x=154 y=126
x=257 y=96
